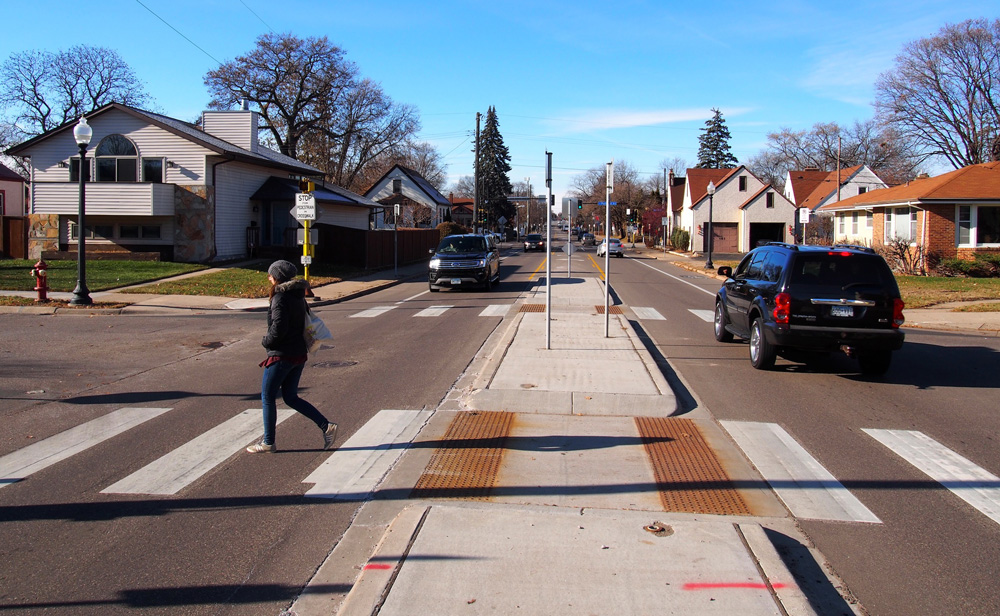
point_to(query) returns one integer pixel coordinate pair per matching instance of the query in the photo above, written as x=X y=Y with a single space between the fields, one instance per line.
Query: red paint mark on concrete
x=378 y=566
x=715 y=585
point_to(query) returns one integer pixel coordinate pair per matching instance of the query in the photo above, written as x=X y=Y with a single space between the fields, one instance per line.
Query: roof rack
x=781 y=244
x=855 y=247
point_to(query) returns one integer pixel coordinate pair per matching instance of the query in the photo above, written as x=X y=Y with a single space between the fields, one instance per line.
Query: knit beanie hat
x=282 y=271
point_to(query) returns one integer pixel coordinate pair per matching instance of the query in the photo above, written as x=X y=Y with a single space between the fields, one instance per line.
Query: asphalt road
x=932 y=553
x=240 y=539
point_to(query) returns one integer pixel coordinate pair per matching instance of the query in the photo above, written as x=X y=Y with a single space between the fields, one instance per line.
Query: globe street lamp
x=711 y=194
x=81 y=294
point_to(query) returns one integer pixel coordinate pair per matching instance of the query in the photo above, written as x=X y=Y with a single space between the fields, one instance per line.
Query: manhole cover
x=212 y=345
x=342 y=363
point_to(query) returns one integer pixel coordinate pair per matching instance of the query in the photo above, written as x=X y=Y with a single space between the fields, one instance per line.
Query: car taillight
x=897 y=312
x=782 y=307
x=840 y=254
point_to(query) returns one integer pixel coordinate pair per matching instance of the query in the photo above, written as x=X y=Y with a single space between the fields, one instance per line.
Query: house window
x=901 y=222
x=769 y=200
x=125 y=232
x=854 y=223
x=978 y=225
x=152 y=170
x=743 y=183
x=862 y=190
x=74 y=169
x=965 y=224
x=869 y=219
x=397 y=186
x=117 y=159
x=842 y=224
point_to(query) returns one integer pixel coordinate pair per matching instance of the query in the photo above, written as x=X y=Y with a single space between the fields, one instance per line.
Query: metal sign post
x=609 y=188
x=548 y=250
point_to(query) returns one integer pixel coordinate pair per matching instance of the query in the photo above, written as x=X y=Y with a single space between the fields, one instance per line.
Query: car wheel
x=874 y=363
x=762 y=353
x=721 y=333
x=488 y=285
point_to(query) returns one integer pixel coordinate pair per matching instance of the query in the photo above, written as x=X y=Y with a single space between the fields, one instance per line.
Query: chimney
x=237 y=127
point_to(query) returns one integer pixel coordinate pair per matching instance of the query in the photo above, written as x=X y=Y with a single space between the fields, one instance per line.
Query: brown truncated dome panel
x=466 y=463
x=688 y=474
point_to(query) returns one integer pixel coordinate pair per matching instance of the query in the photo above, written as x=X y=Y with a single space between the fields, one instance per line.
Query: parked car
x=612 y=247
x=534 y=241
x=464 y=260
x=787 y=299
x=588 y=239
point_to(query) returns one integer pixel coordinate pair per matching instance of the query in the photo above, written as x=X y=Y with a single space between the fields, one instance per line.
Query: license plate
x=456 y=281
x=841 y=311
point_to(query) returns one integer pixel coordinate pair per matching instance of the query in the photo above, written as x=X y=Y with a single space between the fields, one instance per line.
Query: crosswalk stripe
x=433 y=311
x=800 y=481
x=707 y=316
x=372 y=312
x=357 y=467
x=647 y=313
x=973 y=484
x=495 y=310
x=33 y=458
x=177 y=469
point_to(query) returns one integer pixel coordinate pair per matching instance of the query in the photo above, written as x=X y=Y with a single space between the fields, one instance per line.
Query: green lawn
x=101 y=275
x=923 y=291
x=247 y=282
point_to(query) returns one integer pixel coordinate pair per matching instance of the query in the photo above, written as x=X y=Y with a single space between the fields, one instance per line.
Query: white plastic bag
x=315 y=331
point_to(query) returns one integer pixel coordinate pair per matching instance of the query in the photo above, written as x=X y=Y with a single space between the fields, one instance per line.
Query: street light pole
x=81 y=294
x=711 y=231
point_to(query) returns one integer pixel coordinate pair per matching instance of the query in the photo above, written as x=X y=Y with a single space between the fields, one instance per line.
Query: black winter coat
x=286 y=319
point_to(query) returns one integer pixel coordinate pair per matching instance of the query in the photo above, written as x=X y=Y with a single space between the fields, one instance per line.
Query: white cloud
x=591 y=120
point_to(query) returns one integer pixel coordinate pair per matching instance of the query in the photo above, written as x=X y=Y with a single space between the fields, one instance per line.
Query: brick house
x=956 y=214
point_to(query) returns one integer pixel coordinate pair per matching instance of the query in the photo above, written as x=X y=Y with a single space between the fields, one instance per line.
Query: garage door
x=727 y=237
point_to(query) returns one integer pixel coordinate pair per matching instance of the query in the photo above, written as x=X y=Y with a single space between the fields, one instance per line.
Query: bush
x=984 y=265
x=450 y=228
x=680 y=239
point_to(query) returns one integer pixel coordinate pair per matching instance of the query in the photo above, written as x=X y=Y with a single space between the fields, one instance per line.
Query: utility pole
x=475 y=200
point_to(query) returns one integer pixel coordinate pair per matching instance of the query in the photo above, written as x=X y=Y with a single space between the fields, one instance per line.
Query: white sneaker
x=329 y=435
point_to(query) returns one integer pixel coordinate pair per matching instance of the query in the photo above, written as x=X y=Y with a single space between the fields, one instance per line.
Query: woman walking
x=286 y=355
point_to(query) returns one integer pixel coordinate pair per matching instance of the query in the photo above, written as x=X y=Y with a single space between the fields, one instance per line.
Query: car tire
x=721 y=333
x=875 y=363
x=488 y=285
x=762 y=352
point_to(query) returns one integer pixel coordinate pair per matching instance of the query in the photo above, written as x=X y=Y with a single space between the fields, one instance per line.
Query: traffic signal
x=579 y=204
x=306 y=185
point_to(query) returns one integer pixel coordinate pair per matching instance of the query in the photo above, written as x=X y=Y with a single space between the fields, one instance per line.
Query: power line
x=257 y=16
x=179 y=32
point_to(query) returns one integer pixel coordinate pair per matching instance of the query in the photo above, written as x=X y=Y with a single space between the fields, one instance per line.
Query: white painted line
x=712 y=293
x=433 y=311
x=973 y=484
x=403 y=301
x=357 y=467
x=495 y=310
x=372 y=312
x=23 y=462
x=707 y=316
x=176 y=470
x=800 y=481
x=648 y=314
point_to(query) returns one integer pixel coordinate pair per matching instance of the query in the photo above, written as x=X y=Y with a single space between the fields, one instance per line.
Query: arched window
x=117 y=159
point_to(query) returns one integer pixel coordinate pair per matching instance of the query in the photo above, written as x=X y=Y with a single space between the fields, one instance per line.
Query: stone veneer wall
x=43 y=234
x=194 y=224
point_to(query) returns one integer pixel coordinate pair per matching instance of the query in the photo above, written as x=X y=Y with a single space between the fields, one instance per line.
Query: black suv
x=464 y=260
x=786 y=298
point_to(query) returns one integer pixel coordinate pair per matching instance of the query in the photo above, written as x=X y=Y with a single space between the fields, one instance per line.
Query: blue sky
x=589 y=81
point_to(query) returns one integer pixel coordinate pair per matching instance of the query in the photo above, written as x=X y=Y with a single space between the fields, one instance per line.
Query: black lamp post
x=81 y=294
x=711 y=195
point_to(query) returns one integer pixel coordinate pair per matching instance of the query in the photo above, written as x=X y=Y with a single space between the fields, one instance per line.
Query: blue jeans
x=285 y=376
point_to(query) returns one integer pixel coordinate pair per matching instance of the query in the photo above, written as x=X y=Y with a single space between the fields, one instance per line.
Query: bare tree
x=630 y=194
x=944 y=92
x=43 y=90
x=296 y=84
x=419 y=156
x=465 y=187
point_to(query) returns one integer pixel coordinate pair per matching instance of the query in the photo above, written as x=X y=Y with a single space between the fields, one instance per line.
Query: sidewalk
x=557 y=481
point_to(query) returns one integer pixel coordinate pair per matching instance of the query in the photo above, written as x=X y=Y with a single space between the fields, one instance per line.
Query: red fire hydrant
x=41 y=280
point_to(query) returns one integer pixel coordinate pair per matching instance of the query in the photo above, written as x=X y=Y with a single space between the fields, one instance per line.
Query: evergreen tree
x=713 y=144
x=494 y=164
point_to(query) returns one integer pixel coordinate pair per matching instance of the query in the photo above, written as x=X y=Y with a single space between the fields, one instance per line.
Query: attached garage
x=727 y=237
x=766 y=232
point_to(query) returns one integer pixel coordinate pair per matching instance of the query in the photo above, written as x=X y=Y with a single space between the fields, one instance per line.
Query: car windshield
x=462 y=244
x=533 y=237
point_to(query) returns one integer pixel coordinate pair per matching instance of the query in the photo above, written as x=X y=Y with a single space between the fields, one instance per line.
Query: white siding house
x=420 y=203
x=154 y=183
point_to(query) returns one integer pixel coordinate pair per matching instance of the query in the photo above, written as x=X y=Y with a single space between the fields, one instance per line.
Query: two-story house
x=157 y=184
x=744 y=210
x=814 y=189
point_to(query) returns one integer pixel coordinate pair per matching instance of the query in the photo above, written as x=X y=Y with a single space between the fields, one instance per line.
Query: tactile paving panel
x=612 y=310
x=466 y=463
x=532 y=308
x=688 y=474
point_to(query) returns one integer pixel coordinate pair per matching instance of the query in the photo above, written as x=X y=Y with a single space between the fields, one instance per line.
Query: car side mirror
x=726 y=271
